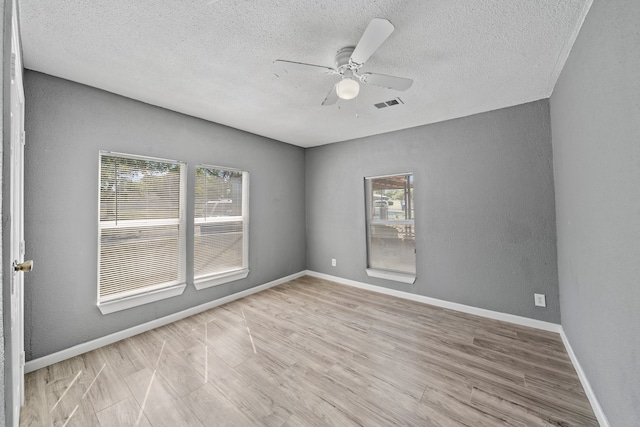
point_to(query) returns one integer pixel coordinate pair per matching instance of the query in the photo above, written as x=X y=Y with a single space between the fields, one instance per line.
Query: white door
x=16 y=230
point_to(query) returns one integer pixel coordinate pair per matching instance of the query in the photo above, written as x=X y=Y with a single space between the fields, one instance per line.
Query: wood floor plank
x=179 y=373
x=460 y=410
x=36 y=411
x=106 y=386
x=150 y=390
x=229 y=341
x=124 y=413
x=553 y=411
x=173 y=413
x=339 y=396
x=563 y=388
x=254 y=403
x=313 y=352
x=502 y=408
x=307 y=407
x=550 y=361
x=213 y=409
x=176 y=339
x=376 y=392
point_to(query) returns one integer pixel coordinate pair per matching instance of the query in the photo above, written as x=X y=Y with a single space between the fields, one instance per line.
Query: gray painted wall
x=67 y=124
x=484 y=200
x=595 y=116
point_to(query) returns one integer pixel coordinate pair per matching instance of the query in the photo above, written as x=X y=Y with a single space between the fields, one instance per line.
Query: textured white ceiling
x=211 y=59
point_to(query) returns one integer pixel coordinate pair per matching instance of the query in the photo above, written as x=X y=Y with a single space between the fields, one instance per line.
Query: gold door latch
x=24 y=266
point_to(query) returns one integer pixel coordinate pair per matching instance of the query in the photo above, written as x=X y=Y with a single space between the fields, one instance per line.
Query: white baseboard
x=79 y=349
x=496 y=315
x=595 y=405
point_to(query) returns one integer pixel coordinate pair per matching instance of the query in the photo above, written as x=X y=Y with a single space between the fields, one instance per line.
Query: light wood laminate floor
x=312 y=352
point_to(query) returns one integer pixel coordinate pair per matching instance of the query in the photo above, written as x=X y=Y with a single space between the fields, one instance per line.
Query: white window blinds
x=220 y=224
x=141 y=227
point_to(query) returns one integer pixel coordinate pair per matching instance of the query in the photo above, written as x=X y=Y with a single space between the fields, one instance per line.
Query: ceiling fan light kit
x=348 y=61
x=348 y=88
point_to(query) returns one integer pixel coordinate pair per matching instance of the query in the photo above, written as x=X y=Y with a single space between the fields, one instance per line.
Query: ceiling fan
x=349 y=60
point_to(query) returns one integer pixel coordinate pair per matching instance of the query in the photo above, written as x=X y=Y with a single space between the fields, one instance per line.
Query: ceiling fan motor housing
x=343 y=60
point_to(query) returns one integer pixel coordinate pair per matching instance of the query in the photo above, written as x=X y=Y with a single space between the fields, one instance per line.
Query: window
x=391 y=248
x=141 y=256
x=220 y=227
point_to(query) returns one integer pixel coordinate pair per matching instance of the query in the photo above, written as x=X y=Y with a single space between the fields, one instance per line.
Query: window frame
x=380 y=273
x=148 y=294
x=215 y=279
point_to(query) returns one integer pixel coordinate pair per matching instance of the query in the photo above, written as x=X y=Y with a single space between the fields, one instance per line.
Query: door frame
x=12 y=192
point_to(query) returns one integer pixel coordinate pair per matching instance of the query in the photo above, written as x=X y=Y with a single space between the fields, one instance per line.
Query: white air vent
x=391 y=103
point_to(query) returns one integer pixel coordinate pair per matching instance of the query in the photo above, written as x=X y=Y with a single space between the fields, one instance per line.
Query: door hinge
x=23 y=137
x=22 y=359
x=13 y=66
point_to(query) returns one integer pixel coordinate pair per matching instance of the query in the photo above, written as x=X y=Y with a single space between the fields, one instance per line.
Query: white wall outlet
x=333 y=262
x=540 y=300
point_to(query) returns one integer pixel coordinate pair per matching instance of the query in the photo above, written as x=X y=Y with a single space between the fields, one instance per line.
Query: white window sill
x=136 y=300
x=390 y=275
x=219 y=279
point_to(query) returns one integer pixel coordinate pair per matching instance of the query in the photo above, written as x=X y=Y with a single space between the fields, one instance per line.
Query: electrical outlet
x=333 y=262
x=540 y=300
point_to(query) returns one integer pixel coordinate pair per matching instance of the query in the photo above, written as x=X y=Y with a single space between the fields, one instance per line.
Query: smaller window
x=221 y=250
x=391 y=240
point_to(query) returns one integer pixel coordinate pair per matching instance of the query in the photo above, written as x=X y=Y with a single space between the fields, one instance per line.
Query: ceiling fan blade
x=390 y=82
x=376 y=33
x=281 y=67
x=332 y=96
